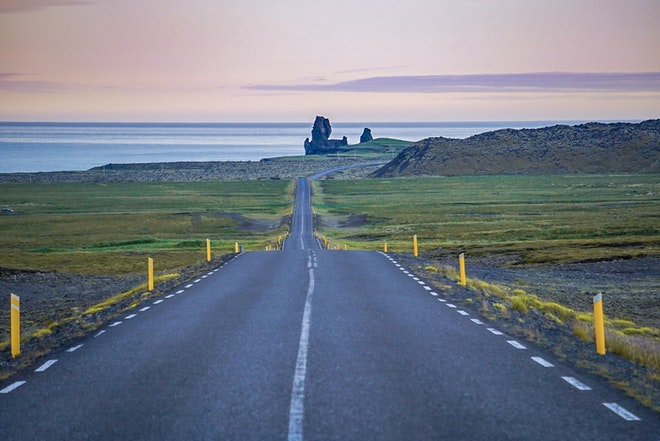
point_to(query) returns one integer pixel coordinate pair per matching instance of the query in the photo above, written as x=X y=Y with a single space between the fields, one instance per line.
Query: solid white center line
x=622 y=412
x=12 y=386
x=296 y=409
x=495 y=331
x=74 y=349
x=515 y=344
x=575 y=383
x=45 y=366
x=543 y=362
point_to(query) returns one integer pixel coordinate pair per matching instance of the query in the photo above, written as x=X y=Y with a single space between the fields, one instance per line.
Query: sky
x=349 y=60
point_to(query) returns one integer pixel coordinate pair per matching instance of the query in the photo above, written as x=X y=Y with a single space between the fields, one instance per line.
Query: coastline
x=268 y=168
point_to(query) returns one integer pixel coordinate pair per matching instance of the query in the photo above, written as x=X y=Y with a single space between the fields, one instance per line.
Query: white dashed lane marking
x=102 y=331
x=451 y=305
x=180 y=291
x=169 y=296
x=477 y=321
x=12 y=387
x=74 y=349
x=45 y=366
x=463 y=312
x=515 y=344
x=112 y=325
x=158 y=301
x=495 y=331
x=623 y=413
x=543 y=362
x=575 y=383
x=130 y=316
x=189 y=285
x=146 y=308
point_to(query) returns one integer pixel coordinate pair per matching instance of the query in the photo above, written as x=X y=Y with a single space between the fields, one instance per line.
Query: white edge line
x=130 y=316
x=114 y=324
x=515 y=344
x=45 y=366
x=477 y=321
x=189 y=285
x=158 y=301
x=495 y=331
x=102 y=331
x=622 y=412
x=462 y=312
x=181 y=291
x=11 y=387
x=146 y=308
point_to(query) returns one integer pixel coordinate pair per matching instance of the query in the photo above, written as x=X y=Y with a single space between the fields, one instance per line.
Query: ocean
x=41 y=147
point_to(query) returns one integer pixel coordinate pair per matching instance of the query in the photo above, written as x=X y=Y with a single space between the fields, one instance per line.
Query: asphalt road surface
x=310 y=344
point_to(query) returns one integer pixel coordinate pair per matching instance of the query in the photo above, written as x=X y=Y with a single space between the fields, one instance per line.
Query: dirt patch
x=253 y=225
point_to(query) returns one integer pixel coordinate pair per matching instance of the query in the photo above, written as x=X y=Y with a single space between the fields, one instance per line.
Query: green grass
x=113 y=228
x=537 y=218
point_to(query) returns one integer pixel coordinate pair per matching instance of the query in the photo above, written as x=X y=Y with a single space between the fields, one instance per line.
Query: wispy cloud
x=19 y=6
x=14 y=82
x=516 y=82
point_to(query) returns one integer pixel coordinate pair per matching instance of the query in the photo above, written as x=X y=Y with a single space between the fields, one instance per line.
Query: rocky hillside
x=585 y=148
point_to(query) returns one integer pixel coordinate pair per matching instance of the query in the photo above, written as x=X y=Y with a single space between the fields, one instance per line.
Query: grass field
x=111 y=229
x=534 y=219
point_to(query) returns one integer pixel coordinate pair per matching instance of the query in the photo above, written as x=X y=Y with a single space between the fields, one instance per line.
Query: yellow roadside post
x=461 y=265
x=599 y=324
x=208 y=250
x=415 y=250
x=15 y=325
x=151 y=274
x=236 y=247
x=385 y=248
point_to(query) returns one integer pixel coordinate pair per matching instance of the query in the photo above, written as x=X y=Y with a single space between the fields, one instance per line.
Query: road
x=310 y=344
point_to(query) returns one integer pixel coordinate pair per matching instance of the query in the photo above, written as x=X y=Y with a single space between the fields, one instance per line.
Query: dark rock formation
x=585 y=148
x=366 y=135
x=321 y=142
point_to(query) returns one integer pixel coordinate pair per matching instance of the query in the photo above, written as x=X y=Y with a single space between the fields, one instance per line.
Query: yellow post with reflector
x=236 y=247
x=151 y=274
x=599 y=324
x=461 y=269
x=385 y=248
x=208 y=250
x=15 y=325
x=415 y=249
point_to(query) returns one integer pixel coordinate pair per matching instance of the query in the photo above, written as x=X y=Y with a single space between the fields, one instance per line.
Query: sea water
x=39 y=147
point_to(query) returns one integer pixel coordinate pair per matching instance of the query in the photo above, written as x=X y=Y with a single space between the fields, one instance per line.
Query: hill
x=585 y=148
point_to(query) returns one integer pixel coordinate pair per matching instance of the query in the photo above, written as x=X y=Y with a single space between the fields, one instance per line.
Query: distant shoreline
x=270 y=168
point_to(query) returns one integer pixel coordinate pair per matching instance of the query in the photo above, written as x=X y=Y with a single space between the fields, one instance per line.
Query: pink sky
x=351 y=60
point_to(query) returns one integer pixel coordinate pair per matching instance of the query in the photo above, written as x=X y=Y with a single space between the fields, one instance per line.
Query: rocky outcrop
x=321 y=142
x=366 y=135
x=585 y=148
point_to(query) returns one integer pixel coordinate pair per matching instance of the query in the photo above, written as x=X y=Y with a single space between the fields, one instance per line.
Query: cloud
x=516 y=82
x=19 y=6
x=13 y=82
